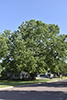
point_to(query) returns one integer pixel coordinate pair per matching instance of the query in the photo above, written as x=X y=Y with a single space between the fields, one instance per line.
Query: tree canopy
x=34 y=47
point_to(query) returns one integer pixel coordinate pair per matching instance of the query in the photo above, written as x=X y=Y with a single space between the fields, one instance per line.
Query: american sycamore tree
x=34 y=48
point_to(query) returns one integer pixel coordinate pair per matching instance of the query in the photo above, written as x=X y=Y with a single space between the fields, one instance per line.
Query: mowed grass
x=6 y=83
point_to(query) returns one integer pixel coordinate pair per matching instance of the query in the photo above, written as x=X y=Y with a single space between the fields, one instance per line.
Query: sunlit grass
x=3 y=86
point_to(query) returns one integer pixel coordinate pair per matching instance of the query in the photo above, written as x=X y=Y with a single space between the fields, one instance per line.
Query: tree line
x=35 y=47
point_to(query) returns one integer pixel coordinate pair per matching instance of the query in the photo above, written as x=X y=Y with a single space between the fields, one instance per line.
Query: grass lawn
x=6 y=83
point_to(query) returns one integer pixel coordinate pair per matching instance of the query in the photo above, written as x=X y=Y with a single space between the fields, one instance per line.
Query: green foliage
x=34 y=47
x=56 y=69
x=0 y=69
x=3 y=46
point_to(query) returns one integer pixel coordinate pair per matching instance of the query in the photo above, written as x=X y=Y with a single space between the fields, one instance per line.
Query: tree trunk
x=33 y=76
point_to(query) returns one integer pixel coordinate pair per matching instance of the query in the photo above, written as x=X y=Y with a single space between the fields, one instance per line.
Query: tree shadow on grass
x=32 y=95
x=52 y=84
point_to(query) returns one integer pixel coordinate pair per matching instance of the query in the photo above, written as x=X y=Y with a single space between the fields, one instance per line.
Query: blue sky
x=14 y=12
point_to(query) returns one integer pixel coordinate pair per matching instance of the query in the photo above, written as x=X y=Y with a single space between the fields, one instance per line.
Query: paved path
x=44 y=91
